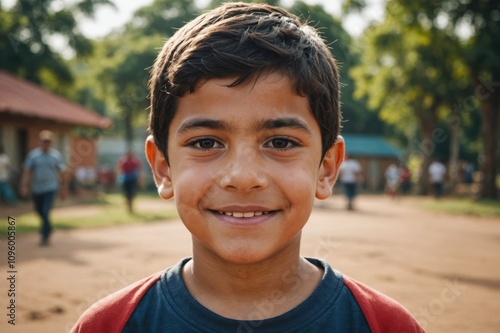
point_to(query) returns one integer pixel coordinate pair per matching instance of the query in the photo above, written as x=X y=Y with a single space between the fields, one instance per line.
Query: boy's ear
x=160 y=169
x=329 y=169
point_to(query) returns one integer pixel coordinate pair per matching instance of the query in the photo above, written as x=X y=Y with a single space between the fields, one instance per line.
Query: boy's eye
x=281 y=143
x=205 y=143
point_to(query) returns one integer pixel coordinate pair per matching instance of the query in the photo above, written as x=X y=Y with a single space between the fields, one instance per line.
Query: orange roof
x=24 y=98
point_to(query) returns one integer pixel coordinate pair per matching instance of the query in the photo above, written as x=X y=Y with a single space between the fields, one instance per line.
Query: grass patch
x=106 y=210
x=481 y=208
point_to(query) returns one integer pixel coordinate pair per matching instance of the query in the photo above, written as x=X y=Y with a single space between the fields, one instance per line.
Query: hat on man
x=46 y=135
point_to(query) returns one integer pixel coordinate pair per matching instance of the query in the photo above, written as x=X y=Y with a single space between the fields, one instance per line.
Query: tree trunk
x=454 y=152
x=426 y=149
x=488 y=92
x=427 y=120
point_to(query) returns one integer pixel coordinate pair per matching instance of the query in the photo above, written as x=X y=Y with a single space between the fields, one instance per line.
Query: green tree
x=481 y=52
x=411 y=74
x=162 y=17
x=118 y=72
x=115 y=79
x=129 y=78
x=27 y=31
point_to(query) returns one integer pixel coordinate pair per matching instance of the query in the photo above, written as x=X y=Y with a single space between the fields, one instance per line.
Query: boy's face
x=245 y=167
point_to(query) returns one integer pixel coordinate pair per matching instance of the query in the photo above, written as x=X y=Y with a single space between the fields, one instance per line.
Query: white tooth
x=258 y=213
x=228 y=213
x=237 y=214
x=248 y=214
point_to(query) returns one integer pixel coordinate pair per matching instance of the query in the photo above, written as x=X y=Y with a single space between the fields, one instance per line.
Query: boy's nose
x=244 y=170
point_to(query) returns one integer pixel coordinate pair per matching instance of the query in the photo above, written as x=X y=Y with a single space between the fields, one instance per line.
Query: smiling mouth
x=242 y=214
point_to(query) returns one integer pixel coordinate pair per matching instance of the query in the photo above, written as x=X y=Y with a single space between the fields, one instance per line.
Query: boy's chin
x=247 y=256
x=241 y=256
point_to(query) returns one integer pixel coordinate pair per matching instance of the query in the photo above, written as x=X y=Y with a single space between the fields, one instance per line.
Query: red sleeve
x=384 y=315
x=110 y=314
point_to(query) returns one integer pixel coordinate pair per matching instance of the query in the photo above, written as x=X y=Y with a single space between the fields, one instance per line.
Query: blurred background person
x=437 y=175
x=6 y=192
x=405 y=177
x=350 y=173
x=128 y=170
x=392 y=179
x=44 y=169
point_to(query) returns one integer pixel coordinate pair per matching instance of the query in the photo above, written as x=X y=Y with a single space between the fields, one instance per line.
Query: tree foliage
x=27 y=34
x=481 y=53
x=416 y=67
x=120 y=66
x=162 y=17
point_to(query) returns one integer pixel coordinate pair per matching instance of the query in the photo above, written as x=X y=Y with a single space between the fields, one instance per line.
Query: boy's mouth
x=243 y=214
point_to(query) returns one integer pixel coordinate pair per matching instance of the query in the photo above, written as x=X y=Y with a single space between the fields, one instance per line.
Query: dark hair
x=244 y=40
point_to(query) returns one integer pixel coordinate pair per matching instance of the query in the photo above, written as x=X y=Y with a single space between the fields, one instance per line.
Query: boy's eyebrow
x=284 y=122
x=267 y=124
x=202 y=123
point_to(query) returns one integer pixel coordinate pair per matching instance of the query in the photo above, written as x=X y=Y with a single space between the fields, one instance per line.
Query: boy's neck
x=236 y=290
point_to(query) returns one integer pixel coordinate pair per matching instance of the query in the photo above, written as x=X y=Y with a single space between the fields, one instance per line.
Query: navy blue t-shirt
x=169 y=307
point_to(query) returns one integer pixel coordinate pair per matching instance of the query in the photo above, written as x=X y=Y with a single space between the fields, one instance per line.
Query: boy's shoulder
x=382 y=313
x=112 y=312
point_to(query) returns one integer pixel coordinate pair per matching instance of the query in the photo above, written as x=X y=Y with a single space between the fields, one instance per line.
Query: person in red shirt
x=128 y=170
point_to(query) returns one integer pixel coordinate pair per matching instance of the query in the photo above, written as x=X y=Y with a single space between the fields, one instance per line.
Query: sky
x=108 y=19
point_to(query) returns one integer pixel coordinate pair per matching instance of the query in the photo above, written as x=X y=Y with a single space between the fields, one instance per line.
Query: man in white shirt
x=392 y=180
x=437 y=175
x=350 y=172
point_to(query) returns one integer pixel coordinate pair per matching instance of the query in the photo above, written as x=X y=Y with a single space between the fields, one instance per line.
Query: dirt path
x=445 y=269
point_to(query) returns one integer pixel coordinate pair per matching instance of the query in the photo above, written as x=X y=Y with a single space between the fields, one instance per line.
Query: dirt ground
x=445 y=269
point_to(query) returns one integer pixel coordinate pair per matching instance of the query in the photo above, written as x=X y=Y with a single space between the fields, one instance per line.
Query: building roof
x=369 y=145
x=23 y=98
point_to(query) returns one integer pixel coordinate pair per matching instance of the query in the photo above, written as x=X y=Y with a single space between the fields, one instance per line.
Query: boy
x=244 y=126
